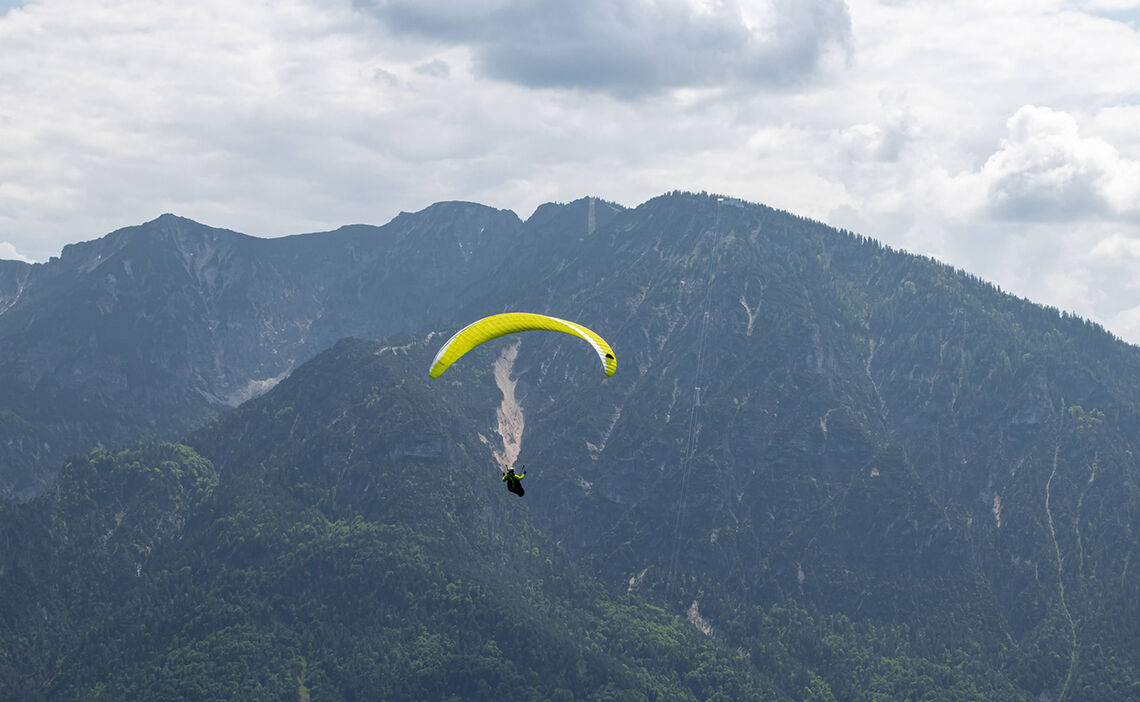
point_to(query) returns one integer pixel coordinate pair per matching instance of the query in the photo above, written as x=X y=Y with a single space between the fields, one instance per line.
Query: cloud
x=1106 y=5
x=1126 y=323
x=633 y=48
x=1117 y=248
x=871 y=142
x=1045 y=170
x=302 y=115
x=1117 y=125
x=9 y=253
x=1125 y=11
x=435 y=68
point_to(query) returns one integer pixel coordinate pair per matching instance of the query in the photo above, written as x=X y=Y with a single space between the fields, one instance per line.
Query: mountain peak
x=805 y=421
x=169 y=218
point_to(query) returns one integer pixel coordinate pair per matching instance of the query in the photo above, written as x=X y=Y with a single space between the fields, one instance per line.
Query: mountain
x=875 y=435
x=151 y=330
x=854 y=471
x=346 y=539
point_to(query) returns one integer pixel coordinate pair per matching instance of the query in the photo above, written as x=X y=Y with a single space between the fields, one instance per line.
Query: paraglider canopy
x=498 y=325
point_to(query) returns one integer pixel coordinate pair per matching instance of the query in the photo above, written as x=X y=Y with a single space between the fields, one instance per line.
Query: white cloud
x=998 y=136
x=632 y=48
x=1045 y=170
x=1125 y=323
x=9 y=253
x=1110 y=5
x=1117 y=248
x=1126 y=11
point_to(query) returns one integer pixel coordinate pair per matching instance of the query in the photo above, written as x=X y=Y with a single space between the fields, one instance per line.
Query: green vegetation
x=898 y=484
x=878 y=437
x=174 y=580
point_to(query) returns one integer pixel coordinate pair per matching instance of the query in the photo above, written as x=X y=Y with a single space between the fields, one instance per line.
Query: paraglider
x=514 y=482
x=498 y=325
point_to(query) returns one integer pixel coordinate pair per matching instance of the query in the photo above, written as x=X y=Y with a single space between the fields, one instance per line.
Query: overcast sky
x=1000 y=137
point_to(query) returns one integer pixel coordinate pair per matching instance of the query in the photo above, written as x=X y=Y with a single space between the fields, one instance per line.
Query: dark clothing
x=514 y=482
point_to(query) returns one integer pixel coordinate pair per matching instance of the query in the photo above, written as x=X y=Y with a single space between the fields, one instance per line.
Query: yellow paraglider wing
x=498 y=325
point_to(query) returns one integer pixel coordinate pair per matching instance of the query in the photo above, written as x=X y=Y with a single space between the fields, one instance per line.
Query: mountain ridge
x=150 y=330
x=346 y=539
x=806 y=426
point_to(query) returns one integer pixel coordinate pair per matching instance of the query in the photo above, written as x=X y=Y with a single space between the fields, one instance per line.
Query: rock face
x=347 y=539
x=149 y=331
x=800 y=417
x=843 y=436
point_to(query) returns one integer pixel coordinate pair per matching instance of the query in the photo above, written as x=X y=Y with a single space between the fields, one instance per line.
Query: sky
x=1002 y=138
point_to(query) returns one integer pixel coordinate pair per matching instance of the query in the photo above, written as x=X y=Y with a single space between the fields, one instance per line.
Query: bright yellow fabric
x=498 y=325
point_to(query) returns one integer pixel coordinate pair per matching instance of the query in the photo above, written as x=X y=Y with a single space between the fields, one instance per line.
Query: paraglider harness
x=514 y=482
